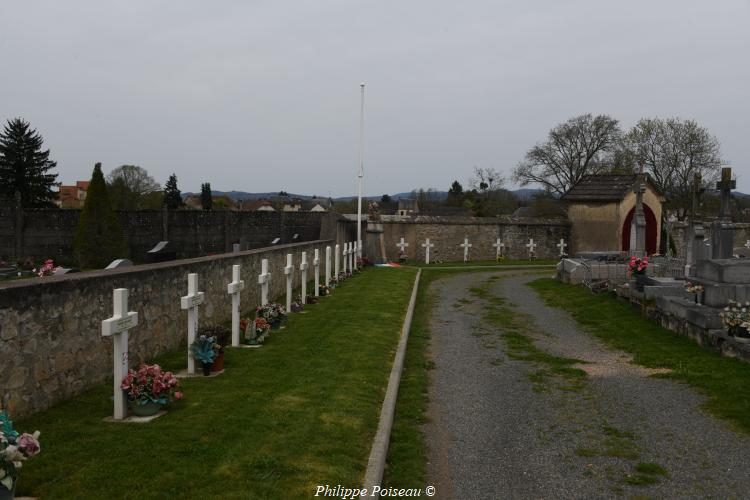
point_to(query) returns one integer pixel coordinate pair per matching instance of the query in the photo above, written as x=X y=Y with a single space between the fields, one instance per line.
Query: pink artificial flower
x=178 y=395
x=29 y=444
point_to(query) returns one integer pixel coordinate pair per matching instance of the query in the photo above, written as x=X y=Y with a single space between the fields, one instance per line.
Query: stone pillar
x=722 y=234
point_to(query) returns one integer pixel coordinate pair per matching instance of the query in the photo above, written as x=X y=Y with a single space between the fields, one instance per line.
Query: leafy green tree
x=455 y=195
x=386 y=198
x=99 y=238
x=207 y=201
x=129 y=187
x=24 y=166
x=172 y=195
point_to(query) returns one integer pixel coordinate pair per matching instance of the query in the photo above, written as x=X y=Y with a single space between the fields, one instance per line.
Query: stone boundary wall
x=679 y=229
x=447 y=233
x=51 y=347
x=48 y=233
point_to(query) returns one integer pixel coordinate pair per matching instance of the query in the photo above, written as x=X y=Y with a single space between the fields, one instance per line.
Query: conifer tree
x=172 y=195
x=207 y=201
x=99 y=238
x=24 y=167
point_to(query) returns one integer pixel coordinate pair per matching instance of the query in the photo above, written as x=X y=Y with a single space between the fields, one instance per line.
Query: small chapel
x=601 y=210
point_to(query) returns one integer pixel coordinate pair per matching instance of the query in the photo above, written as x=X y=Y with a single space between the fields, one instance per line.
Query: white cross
x=234 y=288
x=316 y=266
x=336 y=252
x=499 y=247
x=562 y=246
x=466 y=245
x=355 y=252
x=303 y=271
x=117 y=327
x=351 y=256
x=402 y=244
x=359 y=249
x=328 y=265
x=427 y=245
x=191 y=301
x=264 y=280
x=288 y=270
x=747 y=244
x=531 y=246
x=345 y=257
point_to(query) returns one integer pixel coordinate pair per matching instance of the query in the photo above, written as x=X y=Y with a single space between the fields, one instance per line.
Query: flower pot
x=207 y=369
x=144 y=410
x=640 y=281
x=218 y=363
x=10 y=494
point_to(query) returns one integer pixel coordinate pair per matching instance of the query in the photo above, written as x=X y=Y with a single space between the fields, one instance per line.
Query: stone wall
x=48 y=233
x=447 y=233
x=51 y=346
x=678 y=231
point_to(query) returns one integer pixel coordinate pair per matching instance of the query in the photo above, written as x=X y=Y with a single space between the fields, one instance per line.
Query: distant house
x=222 y=202
x=317 y=205
x=72 y=196
x=256 y=206
x=407 y=207
x=601 y=207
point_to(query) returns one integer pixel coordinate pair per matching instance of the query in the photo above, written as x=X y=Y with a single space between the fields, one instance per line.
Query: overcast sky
x=264 y=95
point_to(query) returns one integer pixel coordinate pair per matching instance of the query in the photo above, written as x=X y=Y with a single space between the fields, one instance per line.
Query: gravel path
x=494 y=432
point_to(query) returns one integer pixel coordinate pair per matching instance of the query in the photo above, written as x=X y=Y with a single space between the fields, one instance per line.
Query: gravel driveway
x=500 y=430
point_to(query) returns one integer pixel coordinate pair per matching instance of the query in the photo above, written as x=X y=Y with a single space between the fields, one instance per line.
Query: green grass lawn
x=514 y=262
x=299 y=412
x=725 y=381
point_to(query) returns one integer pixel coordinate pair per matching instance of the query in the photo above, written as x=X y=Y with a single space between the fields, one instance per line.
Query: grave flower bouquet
x=14 y=450
x=273 y=313
x=736 y=319
x=297 y=305
x=637 y=266
x=149 y=384
x=323 y=290
x=692 y=287
x=205 y=349
x=48 y=269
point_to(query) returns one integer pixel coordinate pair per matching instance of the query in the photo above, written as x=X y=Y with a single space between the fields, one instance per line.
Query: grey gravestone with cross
x=638 y=224
x=190 y=302
x=722 y=244
x=117 y=327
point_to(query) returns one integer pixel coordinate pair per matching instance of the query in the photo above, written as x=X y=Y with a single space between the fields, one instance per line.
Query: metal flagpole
x=361 y=173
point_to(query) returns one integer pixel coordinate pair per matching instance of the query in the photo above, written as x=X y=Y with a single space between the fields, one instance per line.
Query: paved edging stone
x=379 y=451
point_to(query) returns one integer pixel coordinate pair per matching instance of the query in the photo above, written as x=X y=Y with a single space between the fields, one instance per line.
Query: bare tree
x=581 y=146
x=486 y=180
x=129 y=186
x=673 y=151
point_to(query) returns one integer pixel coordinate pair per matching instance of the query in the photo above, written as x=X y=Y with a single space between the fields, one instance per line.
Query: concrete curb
x=379 y=451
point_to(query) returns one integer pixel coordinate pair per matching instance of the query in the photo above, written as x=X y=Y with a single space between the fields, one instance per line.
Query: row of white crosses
x=123 y=320
x=499 y=247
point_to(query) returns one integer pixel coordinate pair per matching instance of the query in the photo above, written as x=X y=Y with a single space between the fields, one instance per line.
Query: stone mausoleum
x=601 y=209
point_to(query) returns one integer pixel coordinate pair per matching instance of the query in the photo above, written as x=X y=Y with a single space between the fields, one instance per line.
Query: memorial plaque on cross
x=427 y=245
x=289 y=271
x=531 y=246
x=264 y=280
x=328 y=265
x=316 y=268
x=117 y=327
x=303 y=273
x=190 y=302
x=466 y=245
x=234 y=289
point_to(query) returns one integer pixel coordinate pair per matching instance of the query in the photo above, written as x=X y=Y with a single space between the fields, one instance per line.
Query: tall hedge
x=99 y=238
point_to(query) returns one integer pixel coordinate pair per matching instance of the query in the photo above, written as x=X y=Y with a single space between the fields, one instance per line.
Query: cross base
x=134 y=419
